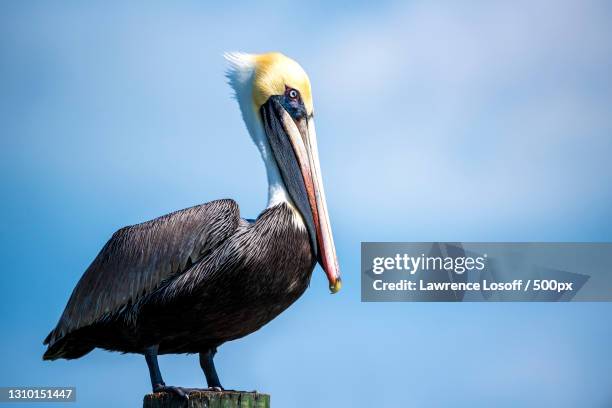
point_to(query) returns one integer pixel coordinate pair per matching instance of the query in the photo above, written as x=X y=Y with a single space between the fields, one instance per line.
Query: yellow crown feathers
x=274 y=71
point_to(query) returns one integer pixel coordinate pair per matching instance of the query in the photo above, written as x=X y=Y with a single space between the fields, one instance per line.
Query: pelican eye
x=293 y=94
x=292 y=102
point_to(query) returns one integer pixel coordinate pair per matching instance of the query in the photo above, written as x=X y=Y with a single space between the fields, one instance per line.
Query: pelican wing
x=139 y=258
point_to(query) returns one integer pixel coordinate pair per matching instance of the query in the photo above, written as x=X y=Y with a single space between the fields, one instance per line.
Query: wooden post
x=208 y=399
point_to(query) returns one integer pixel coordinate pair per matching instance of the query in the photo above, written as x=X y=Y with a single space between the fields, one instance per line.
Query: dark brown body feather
x=188 y=281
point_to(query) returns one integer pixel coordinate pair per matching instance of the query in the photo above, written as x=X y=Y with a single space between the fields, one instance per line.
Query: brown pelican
x=189 y=281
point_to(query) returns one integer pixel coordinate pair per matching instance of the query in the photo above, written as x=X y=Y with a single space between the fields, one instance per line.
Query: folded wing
x=139 y=258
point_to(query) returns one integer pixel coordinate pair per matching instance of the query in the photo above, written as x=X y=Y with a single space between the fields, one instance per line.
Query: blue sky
x=476 y=121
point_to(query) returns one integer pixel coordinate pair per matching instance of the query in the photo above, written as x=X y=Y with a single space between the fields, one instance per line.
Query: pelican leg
x=157 y=382
x=208 y=366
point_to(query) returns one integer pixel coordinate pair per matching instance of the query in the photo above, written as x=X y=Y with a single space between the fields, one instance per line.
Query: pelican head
x=275 y=98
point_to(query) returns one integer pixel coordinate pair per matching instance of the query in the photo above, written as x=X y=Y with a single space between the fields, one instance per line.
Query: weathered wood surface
x=208 y=399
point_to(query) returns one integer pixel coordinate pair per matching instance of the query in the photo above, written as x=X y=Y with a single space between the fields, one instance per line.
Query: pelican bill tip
x=336 y=286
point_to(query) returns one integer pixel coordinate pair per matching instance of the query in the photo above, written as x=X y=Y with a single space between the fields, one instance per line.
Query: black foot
x=180 y=392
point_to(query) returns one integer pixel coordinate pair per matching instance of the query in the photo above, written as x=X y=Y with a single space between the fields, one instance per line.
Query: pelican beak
x=294 y=145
